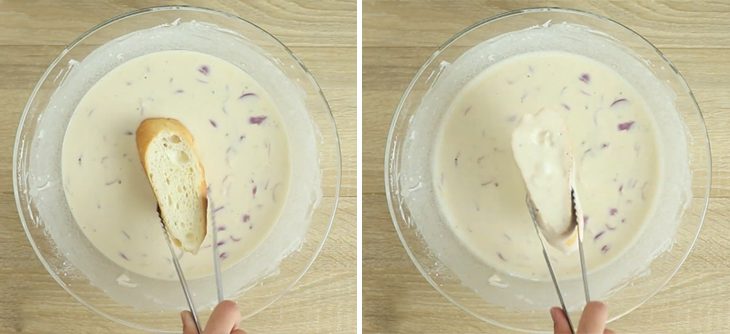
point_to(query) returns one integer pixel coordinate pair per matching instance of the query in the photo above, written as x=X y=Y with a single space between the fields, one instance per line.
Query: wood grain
x=400 y=35
x=320 y=33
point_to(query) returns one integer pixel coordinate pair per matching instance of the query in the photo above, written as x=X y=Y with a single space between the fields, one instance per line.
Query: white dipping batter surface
x=240 y=139
x=613 y=142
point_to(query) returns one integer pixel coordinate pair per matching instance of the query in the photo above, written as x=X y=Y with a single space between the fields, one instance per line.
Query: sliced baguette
x=543 y=154
x=168 y=155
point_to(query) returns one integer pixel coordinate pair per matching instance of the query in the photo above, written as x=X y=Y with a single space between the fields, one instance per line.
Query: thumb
x=224 y=319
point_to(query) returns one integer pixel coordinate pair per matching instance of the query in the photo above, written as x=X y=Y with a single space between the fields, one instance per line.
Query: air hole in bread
x=190 y=236
x=175 y=139
x=183 y=157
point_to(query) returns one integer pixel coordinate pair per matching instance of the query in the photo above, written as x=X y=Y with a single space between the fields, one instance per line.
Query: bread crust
x=150 y=128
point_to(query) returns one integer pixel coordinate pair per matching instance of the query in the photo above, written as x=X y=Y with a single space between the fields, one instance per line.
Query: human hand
x=593 y=320
x=223 y=320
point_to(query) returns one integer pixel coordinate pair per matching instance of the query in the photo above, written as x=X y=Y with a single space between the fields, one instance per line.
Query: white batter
x=240 y=139
x=613 y=143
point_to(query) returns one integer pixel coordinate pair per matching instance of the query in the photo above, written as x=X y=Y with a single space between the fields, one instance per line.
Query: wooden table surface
x=321 y=33
x=400 y=35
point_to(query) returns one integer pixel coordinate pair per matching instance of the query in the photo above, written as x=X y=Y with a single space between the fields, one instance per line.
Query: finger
x=560 y=322
x=188 y=323
x=593 y=319
x=238 y=331
x=224 y=319
x=608 y=331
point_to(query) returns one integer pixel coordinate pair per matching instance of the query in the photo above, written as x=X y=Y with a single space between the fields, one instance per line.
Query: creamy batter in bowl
x=641 y=154
x=266 y=137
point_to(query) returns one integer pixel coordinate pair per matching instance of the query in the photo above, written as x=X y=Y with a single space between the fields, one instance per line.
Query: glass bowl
x=522 y=305
x=36 y=166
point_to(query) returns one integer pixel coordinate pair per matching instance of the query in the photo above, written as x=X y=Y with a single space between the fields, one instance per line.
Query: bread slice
x=543 y=154
x=168 y=155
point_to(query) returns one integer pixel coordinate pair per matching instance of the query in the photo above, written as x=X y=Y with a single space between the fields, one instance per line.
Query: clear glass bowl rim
x=148 y=10
x=396 y=115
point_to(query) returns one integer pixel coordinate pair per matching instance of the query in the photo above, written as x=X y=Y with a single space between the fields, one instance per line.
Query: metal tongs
x=181 y=275
x=573 y=223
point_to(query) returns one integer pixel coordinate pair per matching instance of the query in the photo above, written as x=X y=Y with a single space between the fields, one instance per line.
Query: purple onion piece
x=617 y=101
x=626 y=126
x=245 y=95
x=256 y=119
x=204 y=70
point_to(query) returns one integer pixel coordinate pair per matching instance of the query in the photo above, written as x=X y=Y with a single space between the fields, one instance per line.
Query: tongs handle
x=584 y=275
x=216 y=260
x=183 y=282
x=581 y=225
x=531 y=209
